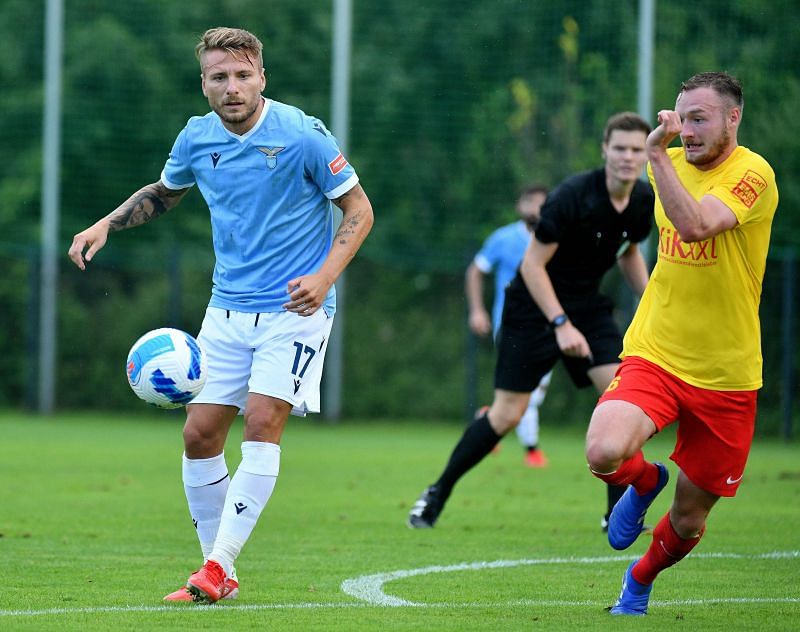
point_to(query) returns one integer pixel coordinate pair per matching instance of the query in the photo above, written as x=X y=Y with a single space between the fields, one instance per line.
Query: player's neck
x=619 y=192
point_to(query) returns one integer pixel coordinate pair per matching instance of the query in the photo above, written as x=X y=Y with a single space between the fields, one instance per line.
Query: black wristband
x=558 y=321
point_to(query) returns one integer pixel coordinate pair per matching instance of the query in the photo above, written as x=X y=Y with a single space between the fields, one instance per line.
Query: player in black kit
x=554 y=309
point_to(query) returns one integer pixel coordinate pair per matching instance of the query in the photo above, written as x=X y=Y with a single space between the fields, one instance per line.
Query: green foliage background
x=455 y=105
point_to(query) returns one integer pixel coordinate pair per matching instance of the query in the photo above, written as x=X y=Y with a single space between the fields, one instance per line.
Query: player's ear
x=735 y=115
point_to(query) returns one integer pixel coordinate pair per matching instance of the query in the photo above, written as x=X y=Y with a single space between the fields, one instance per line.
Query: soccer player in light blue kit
x=501 y=255
x=268 y=173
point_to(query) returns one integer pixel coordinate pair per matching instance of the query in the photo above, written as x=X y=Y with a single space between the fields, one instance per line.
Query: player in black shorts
x=553 y=308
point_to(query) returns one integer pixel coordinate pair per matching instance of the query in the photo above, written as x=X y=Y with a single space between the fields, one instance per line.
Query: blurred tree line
x=454 y=107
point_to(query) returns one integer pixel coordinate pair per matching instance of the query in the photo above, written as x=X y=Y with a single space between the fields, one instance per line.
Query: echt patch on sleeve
x=337 y=164
x=749 y=188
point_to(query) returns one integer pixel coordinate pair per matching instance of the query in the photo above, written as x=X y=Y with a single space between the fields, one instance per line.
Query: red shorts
x=715 y=428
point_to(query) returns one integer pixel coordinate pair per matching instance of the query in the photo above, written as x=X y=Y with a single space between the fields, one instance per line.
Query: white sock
x=247 y=496
x=528 y=426
x=205 y=482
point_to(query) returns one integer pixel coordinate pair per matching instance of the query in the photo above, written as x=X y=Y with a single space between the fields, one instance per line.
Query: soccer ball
x=167 y=368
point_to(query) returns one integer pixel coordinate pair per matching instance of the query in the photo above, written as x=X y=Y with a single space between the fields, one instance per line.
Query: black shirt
x=591 y=234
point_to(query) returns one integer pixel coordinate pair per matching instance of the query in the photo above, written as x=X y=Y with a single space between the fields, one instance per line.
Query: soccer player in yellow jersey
x=692 y=353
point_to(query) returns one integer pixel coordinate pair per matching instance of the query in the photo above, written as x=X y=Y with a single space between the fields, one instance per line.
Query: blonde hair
x=234 y=41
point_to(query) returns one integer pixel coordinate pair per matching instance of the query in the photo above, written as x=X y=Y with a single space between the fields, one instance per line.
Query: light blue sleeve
x=324 y=162
x=177 y=173
x=490 y=253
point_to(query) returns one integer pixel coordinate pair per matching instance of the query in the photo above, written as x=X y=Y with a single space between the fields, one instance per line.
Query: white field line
x=368 y=589
x=350 y=605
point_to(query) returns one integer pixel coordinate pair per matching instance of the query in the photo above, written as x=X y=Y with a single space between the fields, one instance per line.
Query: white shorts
x=279 y=354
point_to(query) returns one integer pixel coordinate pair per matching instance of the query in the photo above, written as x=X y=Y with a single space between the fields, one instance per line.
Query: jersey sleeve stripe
x=172 y=185
x=342 y=188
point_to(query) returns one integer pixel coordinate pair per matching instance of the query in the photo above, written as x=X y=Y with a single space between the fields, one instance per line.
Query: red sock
x=667 y=548
x=647 y=479
x=629 y=470
x=635 y=471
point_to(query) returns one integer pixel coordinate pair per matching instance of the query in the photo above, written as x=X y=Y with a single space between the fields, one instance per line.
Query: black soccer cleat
x=426 y=510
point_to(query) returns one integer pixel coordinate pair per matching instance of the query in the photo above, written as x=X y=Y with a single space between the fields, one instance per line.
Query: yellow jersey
x=698 y=318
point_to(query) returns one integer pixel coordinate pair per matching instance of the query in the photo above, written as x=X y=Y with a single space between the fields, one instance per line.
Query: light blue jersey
x=268 y=193
x=501 y=254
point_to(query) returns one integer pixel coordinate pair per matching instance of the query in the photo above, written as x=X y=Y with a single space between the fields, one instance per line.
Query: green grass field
x=94 y=530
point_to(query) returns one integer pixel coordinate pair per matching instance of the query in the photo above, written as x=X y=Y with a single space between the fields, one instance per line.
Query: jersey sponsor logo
x=271 y=154
x=749 y=188
x=215 y=156
x=337 y=164
x=698 y=253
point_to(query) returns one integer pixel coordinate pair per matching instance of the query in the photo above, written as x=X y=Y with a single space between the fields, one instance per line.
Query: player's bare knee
x=200 y=441
x=265 y=423
x=602 y=455
x=503 y=421
x=604 y=450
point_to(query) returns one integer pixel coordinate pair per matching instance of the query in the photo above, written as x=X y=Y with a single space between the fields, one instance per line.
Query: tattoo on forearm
x=348 y=227
x=144 y=205
x=357 y=218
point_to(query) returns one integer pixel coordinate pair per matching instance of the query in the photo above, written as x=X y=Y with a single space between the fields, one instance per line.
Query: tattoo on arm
x=146 y=204
x=347 y=228
x=351 y=221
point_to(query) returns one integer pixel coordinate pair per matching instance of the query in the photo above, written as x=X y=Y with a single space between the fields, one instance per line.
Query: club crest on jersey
x=271 y=154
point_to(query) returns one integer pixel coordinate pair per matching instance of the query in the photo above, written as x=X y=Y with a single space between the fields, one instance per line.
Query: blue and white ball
x=167 y=368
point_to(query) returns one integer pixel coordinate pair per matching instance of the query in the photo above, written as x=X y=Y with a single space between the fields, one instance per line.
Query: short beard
x=236 y=118
x=714 y=152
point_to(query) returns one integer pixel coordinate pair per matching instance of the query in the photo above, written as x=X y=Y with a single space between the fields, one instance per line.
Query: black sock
x=477 y=441
x=614 y=494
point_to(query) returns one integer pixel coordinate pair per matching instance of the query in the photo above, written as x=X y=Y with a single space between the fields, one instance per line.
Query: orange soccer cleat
x=536 y=458
x=230 y=590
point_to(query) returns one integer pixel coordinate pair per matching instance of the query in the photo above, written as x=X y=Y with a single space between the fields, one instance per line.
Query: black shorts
x=527 y=348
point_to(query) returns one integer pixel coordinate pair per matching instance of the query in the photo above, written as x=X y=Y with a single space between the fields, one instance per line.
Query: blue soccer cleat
x=626 y=521
x=633 y=597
